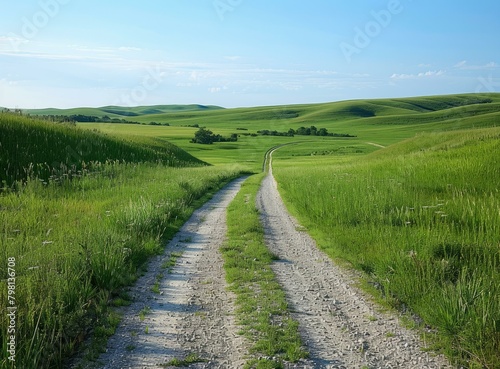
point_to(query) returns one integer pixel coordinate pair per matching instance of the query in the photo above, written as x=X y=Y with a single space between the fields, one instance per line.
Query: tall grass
x=422 y=219
x=78 y=243
x=46 y=150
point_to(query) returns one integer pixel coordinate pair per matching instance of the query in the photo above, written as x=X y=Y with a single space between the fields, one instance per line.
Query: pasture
x=81 y=232
x=420 y=217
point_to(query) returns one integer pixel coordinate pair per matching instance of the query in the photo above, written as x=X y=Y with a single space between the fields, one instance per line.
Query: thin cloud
x=463 y=65
x=428 y=74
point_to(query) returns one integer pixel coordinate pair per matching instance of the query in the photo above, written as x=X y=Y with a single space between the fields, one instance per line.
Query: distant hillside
x=121 y=112
x=386 y=121
x=30 y=147
x=437 y=108
x=402 y=111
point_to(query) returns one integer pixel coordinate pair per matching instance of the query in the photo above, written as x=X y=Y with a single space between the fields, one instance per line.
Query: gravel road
x=193 y=313
x=339 y=324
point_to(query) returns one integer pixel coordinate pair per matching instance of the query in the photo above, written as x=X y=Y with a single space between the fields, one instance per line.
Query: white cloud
x=431 y=74
x=463 y=65
x=11 y=43
x=428 y=74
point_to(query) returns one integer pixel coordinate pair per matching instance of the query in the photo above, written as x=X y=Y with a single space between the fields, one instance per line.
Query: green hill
x=30 y=147
x=122 y=112
x=358 y=117
x=352 y=114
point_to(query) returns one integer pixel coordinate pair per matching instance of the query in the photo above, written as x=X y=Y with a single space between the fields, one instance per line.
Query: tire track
x=339 y=325
x=193 y=311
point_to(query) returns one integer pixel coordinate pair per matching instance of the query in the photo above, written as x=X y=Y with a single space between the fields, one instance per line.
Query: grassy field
x=72 y=245
x=50 y=151
x=356 y=117
x=420 y=217
x=124 y=112
x=383 y=122
x=248 y=151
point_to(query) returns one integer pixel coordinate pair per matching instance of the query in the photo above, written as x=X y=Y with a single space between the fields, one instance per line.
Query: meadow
x=83 y=208
x=34 y=148
x=421 y=219
x=76 y=243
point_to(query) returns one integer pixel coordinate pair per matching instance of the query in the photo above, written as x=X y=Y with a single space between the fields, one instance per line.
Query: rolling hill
x=124 y=112
x=30 y=147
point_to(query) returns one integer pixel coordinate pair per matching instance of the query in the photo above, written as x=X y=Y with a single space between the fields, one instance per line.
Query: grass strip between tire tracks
x=262 y=310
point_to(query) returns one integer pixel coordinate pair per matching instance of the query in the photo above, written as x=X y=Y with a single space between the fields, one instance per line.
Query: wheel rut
x=191 y=311
x=340 y=326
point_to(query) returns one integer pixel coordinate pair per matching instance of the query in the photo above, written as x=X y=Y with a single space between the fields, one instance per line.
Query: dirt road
x=193 y=311
x=340 y=326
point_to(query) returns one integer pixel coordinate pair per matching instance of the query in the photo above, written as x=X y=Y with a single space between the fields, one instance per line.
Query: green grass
x=96 y=233
x=248 y=151
x=144 y=311
x=188 y=360
x=49 y=151
x=78 y=242
x=433 y=197
x=422 y=219
x=281 y=118
x=262 y=310
x=124 y=112
x=384 y=121
x=171 y=262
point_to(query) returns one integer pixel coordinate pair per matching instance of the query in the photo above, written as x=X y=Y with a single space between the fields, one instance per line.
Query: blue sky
x=68 y=53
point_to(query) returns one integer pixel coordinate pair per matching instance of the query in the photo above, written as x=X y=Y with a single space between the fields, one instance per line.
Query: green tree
x=203 y=136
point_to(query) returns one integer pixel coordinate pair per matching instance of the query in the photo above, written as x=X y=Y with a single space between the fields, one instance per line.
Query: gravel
x=340 y=326
x=194 y=312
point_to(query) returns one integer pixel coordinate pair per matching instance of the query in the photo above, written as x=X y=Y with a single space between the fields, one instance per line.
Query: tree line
x=207 y=137
x=81 y=118
x=304 y=131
